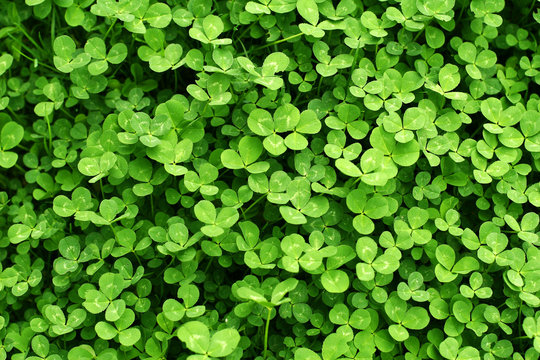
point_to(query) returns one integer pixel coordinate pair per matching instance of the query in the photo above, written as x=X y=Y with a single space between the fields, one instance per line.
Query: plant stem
x=110 y=28
x=22 y=46
x=476 y=131
x=246 y=30
x=266 y=332
x=243 y=47
x=355 y=59
x=49 y=130
x=103 y=195
x=319 y=85
x=66 y=113
x=255 y=203
x=53 y=26
x=19 y=167
x=519 y=322
x=533 y=2
x=31 y=39
x=29 y=58
x=418 y=34
x=208 y=265
x=463 y=6
x=277 y=42
x=113 y=231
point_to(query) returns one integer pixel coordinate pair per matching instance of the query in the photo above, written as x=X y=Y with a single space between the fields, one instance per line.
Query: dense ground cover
x=283 y=179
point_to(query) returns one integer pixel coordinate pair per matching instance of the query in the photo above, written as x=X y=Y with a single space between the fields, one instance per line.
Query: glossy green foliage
x=269 y=179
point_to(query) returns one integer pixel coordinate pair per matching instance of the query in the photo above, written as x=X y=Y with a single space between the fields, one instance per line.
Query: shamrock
x=105 y=299
x=10 y=136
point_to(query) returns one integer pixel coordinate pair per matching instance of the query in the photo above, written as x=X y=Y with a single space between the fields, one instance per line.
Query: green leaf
x=449 y=77
x=18 y=233
x=282 y=288
x=292 y=216
x=64 y=46
x=11 y=135
x=309 y=10
x=111 y=285
x=6 y=60
x=306 y=354
x=223 y=342
x=158 y=15
x=96 y=302
x=105 y=330
x=286 y=117
x=129 y=337
x=348 y=168
x=213 y=26
x=335 y=281
x=250 y=148
x=173 y=310
x=95 y=47
x=196 y=336
x=205 y=211
x=445 y=256
x=449 y=348
x=117 y=53
x=416 y=318
x=434 y=37
x=231 y=159
x=260 y=122
x=334 y=345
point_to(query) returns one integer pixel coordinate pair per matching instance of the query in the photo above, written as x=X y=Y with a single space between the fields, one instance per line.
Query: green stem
x=533 y=2
x=31 y=39
x=137 y=258
x=24 y=47
x=110 y=28
x=355 y=59
x=103 y=194
x=15 y=115
x=113 y=231
x=254 y=203
x=357 y=180
x=49 y=131
x=519 y=322
x=66 y=113
x=246 y=30
x=266 y=332
x=476 y=131
x=418 y=34
x=319 y=86
x=19 y=167
x=208 y=265
x=265 y=226
x=463 y=6
x=244 y=48
x=53 y=26
x=278 y=42
x=29 y=58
